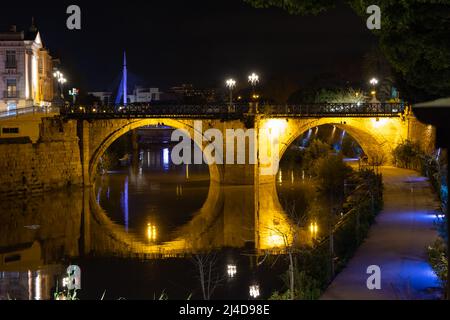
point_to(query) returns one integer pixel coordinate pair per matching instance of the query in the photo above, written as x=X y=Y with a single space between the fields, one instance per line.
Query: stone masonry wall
x=51 y=163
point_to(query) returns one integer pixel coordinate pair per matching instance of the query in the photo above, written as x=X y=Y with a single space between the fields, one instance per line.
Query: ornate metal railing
x=235 y=111
x=335 y=110
x=156 y=111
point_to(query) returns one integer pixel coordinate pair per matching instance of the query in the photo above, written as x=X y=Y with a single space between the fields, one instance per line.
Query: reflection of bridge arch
x=228 y=218
x=111 y=238
x=102 y=135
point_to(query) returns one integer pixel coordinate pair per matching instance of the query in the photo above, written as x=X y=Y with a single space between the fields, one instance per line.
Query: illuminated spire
x=124 y=80
x=122 y=93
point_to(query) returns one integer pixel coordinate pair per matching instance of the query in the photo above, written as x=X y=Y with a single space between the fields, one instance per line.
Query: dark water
x=152 y=198
x=147 y=205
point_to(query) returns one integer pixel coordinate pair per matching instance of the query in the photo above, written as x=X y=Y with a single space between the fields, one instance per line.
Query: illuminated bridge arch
x=102 y=133
x=377 y=137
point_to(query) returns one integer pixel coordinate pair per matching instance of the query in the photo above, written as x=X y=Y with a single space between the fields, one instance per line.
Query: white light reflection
x=166 y=157
x=231 y=270
x=37 y=286
x=254 y=291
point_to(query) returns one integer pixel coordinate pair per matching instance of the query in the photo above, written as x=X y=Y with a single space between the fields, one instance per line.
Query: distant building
x=189 y=94
x=27 y=70
x=139 y=95
x=104 y=96
x=144 y=95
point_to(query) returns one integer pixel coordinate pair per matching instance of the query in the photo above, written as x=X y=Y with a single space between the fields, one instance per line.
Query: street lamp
x=254 y=80
x=61 y=81
x=74 y=93
x=231 y=84
x=374 y=82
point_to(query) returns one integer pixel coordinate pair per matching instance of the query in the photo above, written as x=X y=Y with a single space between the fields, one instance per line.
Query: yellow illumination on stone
x=379 y=123
x=151 y=232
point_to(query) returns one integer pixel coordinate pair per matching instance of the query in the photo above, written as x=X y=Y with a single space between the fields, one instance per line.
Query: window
x=10 y=130
x=12 y=258
x=11 y=62
x=11 y=106
x=11 y=88
x=41 y=65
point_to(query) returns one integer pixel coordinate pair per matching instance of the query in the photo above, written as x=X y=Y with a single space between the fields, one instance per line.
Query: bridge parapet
x=235 y=111
x=321 y=110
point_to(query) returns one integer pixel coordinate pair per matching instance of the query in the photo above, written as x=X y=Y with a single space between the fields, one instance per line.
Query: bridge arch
x=377 y=137
x=102 y=136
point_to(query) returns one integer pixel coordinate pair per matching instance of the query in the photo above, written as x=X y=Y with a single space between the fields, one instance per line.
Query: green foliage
x=331 y=172
x=414 y=38
x=110 y=159
x=68 y=295
x=437 y=256
x=306 y=287
x=295 y=6
x=312 y=274
x=315 y=151
x=340 y=96
x=408 y=155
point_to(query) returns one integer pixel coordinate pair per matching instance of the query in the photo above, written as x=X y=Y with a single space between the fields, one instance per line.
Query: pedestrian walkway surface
x=396 y=243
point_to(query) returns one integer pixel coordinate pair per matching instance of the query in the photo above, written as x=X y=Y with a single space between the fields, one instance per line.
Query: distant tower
x=123 y=83
x=125 y=95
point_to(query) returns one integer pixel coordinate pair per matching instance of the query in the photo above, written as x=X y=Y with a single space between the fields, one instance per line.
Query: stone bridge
x=377 y=136
x=242 y=204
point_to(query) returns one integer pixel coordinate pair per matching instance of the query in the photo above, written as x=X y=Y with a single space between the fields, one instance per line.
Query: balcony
x=10 y=65
x=10 y=94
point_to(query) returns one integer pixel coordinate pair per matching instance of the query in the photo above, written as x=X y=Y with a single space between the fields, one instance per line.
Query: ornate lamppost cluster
x=253 y=79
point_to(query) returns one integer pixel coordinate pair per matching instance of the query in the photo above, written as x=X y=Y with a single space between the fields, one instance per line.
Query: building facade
x=105 y=97
x=144 y=95
x=139 y=95
x=26 y=70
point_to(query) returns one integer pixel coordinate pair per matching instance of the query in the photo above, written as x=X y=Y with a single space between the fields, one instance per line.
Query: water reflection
x=153 y=190
x=148 y=210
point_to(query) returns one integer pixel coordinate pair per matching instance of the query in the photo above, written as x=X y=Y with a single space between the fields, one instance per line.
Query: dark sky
x=169 y=42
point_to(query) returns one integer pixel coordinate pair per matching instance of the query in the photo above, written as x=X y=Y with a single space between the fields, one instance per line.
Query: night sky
x=200 y=42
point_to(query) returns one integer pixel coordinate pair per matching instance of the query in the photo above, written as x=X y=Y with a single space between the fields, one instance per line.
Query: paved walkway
x=397 y=243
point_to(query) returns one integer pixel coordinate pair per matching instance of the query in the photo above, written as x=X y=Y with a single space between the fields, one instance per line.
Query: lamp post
x=374 y=83
x=61 y=81
x=73 y=93
x=231 y=84
x=253 y=79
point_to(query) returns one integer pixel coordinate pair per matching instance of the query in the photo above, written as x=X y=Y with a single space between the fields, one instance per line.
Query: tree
x=315 y=151
x=413 y=37
x=349 y=95
x=331 y=174
x=209 y=277
x=407 y=155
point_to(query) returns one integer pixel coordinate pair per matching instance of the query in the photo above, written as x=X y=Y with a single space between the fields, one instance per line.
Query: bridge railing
x=236 y=110
x=154 y=111
x=26 y=111
x=335 y=109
